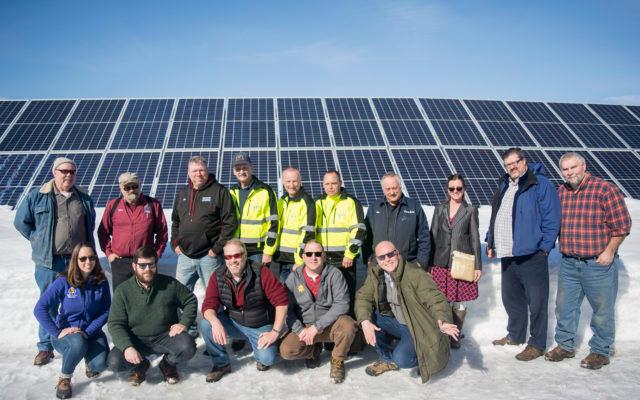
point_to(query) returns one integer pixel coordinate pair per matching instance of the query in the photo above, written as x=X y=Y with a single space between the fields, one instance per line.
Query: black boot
x=458 y=319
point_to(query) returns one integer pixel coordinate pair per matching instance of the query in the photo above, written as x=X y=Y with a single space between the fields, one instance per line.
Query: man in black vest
x=249 y=292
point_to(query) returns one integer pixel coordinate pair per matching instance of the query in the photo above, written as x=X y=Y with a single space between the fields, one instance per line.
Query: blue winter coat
x=35 y=220
x=536 y=212
x=87 y=309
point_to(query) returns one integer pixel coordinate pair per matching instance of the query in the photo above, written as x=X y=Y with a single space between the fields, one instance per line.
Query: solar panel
x=199 y=110
x=592 y=166
x=86 y=163
x=532 y=112
x=444 y=109
x=91 y=136
x=408 y=133
x=29 y=137
x=635 y=110
x=397 y=108
x=574 y=113
x=481 y=191
x=46 y=111
x=106 y=186
x=476 y=163
x=146 y=110
x=250 y=110
x=15 y=172
x=300 y=109
x=140 y=135
x=357 y=133
x=250 y=134
x=9 y=110
x=265 y=167
x=613 y=114
x=424 y=173
x=458 y=133
x=427 y=192
x=596 y=135
x=195 y=135
x=349 y=109
x=97 y=111
x=362 y=169
x=173 y=173
x=312 y=165
x=625 y=167
x=629 y=133
x=486 y=110
x=506 y=134
x=538 y=156
x=304 y=134
x=552 y=135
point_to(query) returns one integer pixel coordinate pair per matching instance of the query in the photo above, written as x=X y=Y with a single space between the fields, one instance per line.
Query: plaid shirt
x=591 y=215
x=504 y=222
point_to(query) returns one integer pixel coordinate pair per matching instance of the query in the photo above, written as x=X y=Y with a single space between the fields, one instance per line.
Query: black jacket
x=462 y=235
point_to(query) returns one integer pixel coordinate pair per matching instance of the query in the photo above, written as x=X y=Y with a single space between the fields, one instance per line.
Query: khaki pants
x=342 y=332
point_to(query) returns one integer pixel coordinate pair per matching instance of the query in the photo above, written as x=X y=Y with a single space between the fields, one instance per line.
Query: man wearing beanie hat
x=54 y=218
x=130 y=221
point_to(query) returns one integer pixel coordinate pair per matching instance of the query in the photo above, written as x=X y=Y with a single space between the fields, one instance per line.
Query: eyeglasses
x=67 y=171
x=144 y=266
x=85 y=258
x=131 y=187
x=237 y=256
x=456 y=189
x=313 y=253
x=383 y=257
x=513 y=164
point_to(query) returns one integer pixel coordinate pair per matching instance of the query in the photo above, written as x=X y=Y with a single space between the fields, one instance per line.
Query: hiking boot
x=505 y=341
x=594 y=361
x=90 y=373
x=237 y=345
x=43 y=357
x=337 y=370
x=314 y=360
x=558 y=354
x=261 y=367
x=139 y=373
x=169 y=372
x=63 y=388
x=217 y=373
x=529 y=353
x=380 y=367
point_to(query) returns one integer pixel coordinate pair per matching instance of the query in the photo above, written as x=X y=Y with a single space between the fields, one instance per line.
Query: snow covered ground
x=478 y=370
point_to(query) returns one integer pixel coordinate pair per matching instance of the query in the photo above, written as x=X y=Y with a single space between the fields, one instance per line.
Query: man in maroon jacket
x=130 y=221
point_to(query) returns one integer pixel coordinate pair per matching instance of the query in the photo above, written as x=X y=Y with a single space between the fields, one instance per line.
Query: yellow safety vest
x=258 y=219
x=340 y=224
x=297 y=217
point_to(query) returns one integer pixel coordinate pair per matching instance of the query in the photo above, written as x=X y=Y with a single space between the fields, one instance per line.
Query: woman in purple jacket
x=82 y=293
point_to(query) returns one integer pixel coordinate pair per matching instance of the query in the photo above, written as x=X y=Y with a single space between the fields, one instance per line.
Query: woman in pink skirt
x=455 y=227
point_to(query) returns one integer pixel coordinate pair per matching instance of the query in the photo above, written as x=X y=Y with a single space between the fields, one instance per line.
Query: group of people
x=280 y=274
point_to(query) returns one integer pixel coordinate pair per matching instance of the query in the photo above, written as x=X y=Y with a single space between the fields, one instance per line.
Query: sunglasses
x=383 y=257
x=85 y=258
x=313 y=253
x=456 y=189
x=67 y=171
x=237 y=256
x=144 y=266
x=131 y=187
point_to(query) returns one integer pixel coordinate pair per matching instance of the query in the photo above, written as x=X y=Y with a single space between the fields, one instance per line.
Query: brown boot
x=217 y=373
x=63 y=388
x=43 y=357
x=458 y=319
x=558 y=354
x=505 y=341
x=139 y=373
x=380 y=367
x=529 y=353
x=337 y=370
x=594 y=361
x=169 y=372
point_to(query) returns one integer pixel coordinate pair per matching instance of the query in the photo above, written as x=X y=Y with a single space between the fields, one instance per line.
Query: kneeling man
x=399 y=301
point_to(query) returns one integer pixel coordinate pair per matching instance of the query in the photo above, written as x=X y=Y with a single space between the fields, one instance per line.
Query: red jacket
x=133 y=226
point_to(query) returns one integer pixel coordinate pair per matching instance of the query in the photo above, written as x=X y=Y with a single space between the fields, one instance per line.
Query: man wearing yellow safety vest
x=297 y=216
x=340 y=228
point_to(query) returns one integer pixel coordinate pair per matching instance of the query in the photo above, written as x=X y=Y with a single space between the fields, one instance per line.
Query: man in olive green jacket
x=398 y=299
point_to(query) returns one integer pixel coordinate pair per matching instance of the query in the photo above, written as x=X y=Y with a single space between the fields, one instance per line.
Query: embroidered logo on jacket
x=72 y=293
x=301 y=288
x=206 y=199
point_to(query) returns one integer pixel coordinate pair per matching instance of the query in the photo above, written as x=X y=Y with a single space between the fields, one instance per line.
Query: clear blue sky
x=575 y=50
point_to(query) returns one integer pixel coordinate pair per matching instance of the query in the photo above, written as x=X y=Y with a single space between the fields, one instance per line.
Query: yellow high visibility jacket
x=297 y=221
x=340 y=225
x=258 y=219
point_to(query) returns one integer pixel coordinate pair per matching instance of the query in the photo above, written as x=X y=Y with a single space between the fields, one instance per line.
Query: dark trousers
x=349 y=276
x=525 y=295
x=176 y=349
x=120 y=271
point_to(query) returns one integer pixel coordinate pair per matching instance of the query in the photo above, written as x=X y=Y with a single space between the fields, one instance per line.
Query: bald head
x=387 y=256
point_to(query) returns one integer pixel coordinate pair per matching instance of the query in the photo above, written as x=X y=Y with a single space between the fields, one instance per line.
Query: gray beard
x=132 y=198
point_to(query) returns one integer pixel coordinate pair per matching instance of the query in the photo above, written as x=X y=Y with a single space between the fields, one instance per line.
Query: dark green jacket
x=137 y=313
x=422 y=306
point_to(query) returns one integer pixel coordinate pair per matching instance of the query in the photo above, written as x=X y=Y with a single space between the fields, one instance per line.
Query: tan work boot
x=558 y=354
x=529 y=353
x=380 y=367
x=505 y=341
x=594 y=361
x=337 y=370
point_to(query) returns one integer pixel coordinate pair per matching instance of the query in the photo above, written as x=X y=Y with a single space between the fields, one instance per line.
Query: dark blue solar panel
x=140 y=135
x=250 y=110
x=349 y=109
x=444 y=109
x=408 y=133
x=394 y=108
x=86 y=163
x=140 y=110
x=173 y=173
x=481 y=191
x=106 y=187
x=199 y=110
x=635 y=110
x=629 y=133
x=427 y=192
x=97 y=111
x=265 y=167
x=9 y=110
x=23 y=137
x=476 y=163
x=17 y=169
x=592 y=165
x=486 y=110
x=537 y=156
x=574 y=113
x=458 y=133
x=613 y=114
x=46 y=111
x=552 y=135
x=625 y=167
x=300 y=109
x=312 y=165
x=101 y=194
x=9 y=195
x=250 y=134
x=367 y=192
x=506 y=134
x=92 y=136
x=533 y=112
x=195 y=135
x=416 y=164
x=361 y=171
x=304 y=134
x=595 y=135
x=357 y=133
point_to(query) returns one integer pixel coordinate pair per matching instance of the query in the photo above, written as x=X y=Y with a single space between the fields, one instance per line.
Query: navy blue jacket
x=413 y=238
x=87 y=309
x=536 y=212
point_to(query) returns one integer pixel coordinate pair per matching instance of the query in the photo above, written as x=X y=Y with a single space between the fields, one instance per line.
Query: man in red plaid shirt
x=595 y=221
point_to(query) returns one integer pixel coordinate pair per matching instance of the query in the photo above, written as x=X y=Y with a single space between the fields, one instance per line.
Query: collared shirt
x=504 y=222
x=70 y=227
x=591 y=215
x=392 y=298
x=312 y=283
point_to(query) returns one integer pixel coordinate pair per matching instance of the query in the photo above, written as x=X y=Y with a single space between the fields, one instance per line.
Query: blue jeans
x=44 y=277
x=74 y=347
x=285 y=270
x=189 y=270
x=218 y=353
x=580 y=278
x=404 y=352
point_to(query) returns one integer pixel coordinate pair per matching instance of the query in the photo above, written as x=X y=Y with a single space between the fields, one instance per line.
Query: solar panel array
x=421 y=139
